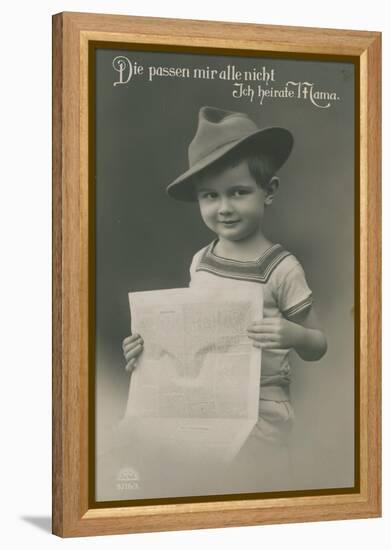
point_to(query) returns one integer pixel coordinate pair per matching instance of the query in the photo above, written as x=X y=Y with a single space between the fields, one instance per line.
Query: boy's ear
x=271 y=189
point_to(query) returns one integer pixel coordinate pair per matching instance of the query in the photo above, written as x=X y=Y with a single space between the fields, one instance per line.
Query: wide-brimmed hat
x=220 y=132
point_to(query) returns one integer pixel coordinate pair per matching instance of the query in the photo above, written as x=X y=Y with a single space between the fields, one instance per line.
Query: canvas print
x=224 y=269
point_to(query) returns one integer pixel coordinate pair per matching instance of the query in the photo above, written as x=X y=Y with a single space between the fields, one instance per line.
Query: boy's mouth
x=229 y=222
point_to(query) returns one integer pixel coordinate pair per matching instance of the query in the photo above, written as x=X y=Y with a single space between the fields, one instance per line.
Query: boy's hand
x=132 y=347
x=275 y=333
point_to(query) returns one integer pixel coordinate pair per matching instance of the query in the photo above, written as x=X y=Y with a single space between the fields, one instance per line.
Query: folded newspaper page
x=196 y=386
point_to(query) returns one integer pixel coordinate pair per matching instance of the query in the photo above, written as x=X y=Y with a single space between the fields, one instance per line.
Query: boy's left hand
x=275 y=333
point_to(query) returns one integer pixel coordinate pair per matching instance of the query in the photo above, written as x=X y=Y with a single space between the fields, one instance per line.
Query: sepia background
x=145 y=240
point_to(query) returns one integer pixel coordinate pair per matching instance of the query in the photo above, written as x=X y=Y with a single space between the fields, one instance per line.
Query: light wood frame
x=72 y=515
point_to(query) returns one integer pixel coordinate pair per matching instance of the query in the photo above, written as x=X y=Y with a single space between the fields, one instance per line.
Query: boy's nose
x=225 y=207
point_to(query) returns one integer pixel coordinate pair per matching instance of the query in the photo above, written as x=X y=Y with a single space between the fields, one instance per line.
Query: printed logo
x=128 y=479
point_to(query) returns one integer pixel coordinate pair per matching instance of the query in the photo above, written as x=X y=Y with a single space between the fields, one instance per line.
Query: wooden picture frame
x=74 y=512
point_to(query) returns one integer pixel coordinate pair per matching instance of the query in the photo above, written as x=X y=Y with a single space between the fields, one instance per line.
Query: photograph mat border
x=72 y=513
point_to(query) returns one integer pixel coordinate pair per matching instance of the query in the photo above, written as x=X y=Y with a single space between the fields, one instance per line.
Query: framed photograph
x=216 y=274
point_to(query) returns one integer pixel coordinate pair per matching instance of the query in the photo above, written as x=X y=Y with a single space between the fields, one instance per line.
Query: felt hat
x=220 y=132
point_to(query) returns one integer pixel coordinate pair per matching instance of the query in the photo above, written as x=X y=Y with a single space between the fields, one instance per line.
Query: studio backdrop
x=145 y=108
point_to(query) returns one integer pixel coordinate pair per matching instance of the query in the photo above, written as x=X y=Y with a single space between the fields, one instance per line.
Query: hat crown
x=217 y=128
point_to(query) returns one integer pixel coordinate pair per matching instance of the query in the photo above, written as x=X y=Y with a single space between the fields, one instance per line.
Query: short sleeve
x=293 y=294
x=192 y=270
x=194 y=264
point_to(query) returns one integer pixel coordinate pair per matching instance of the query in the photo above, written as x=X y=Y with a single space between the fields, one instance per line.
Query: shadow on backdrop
x=44 y=523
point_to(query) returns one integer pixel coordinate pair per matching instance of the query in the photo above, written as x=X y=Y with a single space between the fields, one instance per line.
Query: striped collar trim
x=258 y=271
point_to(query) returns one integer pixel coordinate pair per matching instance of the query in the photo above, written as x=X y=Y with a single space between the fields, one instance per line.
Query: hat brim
x=274 y=142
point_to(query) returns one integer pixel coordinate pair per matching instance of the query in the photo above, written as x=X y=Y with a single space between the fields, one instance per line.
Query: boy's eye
x=240 y=192
x=209 y=195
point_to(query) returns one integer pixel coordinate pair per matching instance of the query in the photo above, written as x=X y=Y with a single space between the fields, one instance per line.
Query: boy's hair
x=260 y=167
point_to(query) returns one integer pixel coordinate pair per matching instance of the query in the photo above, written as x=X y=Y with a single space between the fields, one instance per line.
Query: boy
x=232 y=176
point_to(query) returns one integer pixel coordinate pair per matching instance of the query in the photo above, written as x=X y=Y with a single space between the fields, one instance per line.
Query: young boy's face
x=231 y=203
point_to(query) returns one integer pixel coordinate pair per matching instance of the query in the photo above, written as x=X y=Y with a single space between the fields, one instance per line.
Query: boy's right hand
x=132 y=346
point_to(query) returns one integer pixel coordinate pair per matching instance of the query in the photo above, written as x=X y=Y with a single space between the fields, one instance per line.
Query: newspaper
x=196 y=385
